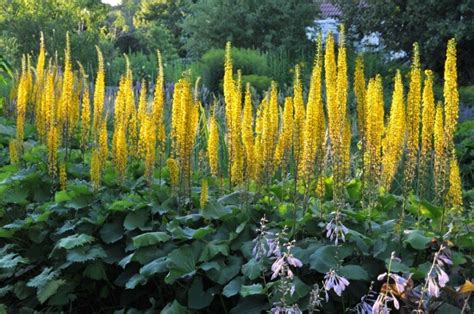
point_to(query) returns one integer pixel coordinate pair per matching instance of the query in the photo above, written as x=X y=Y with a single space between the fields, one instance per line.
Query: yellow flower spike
x=53 y=146
x=159 y=101
x=450 y=93
x=99 y=92
x=314 y=125
x=439 y=144
x=174 y=171
x=394 y=139
x=427 y=125
x=22 y=99
x=413 y=117
x=213 y=145
x=247 y=132
x=299 y=115
x=359 y=91
x=454 y=196
x=103 y=142
x=13 y=150
x=85 y=118
x=204 y=193
x=283 y=147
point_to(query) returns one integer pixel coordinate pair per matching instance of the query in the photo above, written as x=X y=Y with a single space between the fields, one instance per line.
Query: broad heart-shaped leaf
x=197 y=297
x=95 y=271
x=416 y=239
x=174 y=308
x=354 y=272
x=233 y=287
x=183 y=261
x=214 y=210
x=213 y=248
x=252 y=269
x=85 y=253
x=49 y=289
x=150 y=238
x=159 y=265
x=111 y=232
x=323 y=259
x=74 y=240
x=136 y=219
x=251 y=290
x=227 y=271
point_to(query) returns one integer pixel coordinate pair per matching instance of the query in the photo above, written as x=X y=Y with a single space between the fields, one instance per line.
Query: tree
x=431 y=23
x=85 y=20
x=257 y=24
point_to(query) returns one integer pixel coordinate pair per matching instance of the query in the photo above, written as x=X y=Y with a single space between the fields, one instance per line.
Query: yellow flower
x=39 y=82
x=283 y=148
x=374 y=131
x=120 y=151
x=454 y=196
x=413 y=117
x=64 y=108
x=314 y=124
x=427 y=125
x=450 y=92
x=394 y=139
x=85 y=118
x=21 y=102
x=247 y=132
x=174 y=171
x=213 y=145
x=204 y=193
x=99 y=92
x=359 y=91
x=439 y=144
x=53 y=146
x=300 y=114
x=159 y=102
x=103 y=142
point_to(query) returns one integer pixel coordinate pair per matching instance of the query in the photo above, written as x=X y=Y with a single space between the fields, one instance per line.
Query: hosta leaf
x=253 y=269
x=354 y=272
x=251 y=290
x=74 y=240
x=150 y=238
x=416 y=239
x=49 y=289
x=323 y=259
x=233 y=287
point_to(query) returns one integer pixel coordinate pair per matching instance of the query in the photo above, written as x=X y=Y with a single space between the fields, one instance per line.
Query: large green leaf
x=354 y=272
x=228 y=270
x=417 y=239
x=85 y=253
x=11 y=260
x=213 y=248
x=233 y=287
x=251 y=289
x=154 y=267
x=323 y=259
x=197 y=297
x=253 y=269
x=254 y=304
x=74 y=240
x=111 y=232
x=49 y=289
x=136 y=219
x=48 y=274
x=183 y=262
x=214 y=210
x=150 y=238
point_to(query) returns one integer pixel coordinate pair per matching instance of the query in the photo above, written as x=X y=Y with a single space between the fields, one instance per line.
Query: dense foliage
x=158 y=198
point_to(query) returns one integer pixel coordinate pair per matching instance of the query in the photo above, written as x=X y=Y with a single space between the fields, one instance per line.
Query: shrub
x=259 y=82
x=466 y=95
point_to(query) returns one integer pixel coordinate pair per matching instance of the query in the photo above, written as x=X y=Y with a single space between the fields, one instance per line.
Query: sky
x=112 y=2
